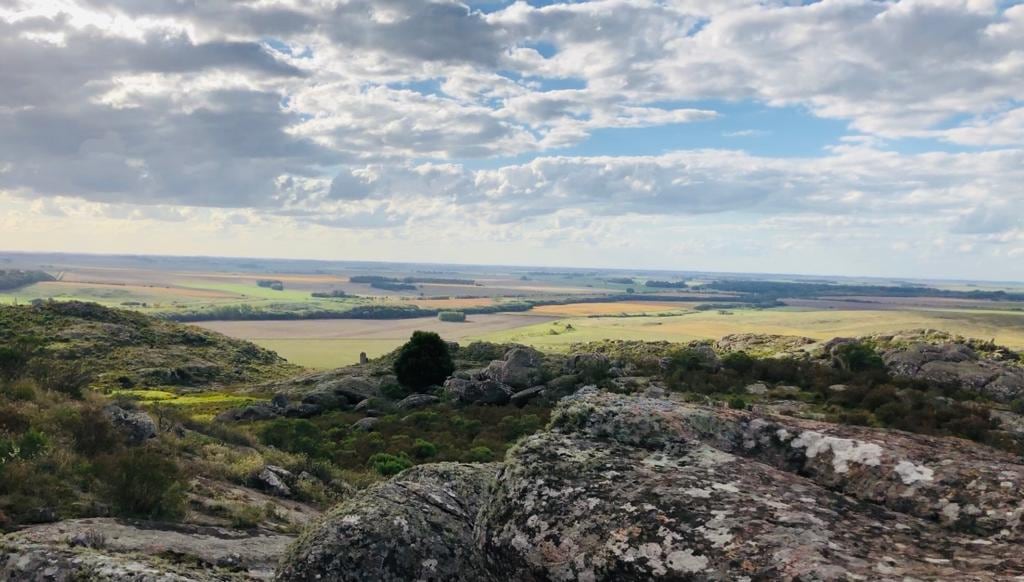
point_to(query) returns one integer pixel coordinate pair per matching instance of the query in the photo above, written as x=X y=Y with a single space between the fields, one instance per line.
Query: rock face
x=417 y=526
x=957 y=363
x=633 y=488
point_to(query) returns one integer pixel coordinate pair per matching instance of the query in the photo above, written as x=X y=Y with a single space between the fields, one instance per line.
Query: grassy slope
x=118 y=344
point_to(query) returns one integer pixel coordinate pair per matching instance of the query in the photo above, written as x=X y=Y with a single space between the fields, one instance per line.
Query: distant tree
x=423 y=361
x=630 y=290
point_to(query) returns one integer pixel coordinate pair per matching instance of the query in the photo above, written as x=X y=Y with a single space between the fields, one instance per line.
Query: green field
x=327 y=353
x=1005 y=327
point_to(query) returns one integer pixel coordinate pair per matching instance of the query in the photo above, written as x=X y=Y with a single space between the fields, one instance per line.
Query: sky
x=843 y=137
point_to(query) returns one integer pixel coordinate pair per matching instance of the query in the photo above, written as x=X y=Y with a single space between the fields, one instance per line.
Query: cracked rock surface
x=634 y=488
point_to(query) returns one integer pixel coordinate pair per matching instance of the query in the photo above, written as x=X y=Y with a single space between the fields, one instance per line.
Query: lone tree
x=423 y=361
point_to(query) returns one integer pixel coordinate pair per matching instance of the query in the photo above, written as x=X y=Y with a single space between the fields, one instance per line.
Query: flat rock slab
x=111 y=549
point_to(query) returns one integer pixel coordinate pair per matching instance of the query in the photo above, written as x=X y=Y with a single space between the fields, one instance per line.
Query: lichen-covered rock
x=417 y=526
x=118 y=550
x=631 y=488
x=275 y=480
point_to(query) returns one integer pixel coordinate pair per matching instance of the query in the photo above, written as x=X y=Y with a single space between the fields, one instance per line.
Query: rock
x=760 y=345
x=958 y=365
x=258 y=411
x=136 y=426
x=478 y=391
x=519 y=369
x=365 y=424
x=138 y=551
x=303 y=410
x=363 y=360
x=522 y=397
x=414 y=401
x=275 y=480
x=279 y=401
x=835 y=388
x=417 y=526
x=756 y=388
x=326 y=399
x=630 y=488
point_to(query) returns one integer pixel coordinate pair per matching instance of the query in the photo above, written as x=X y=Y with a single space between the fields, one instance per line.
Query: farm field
x=329 y=343
x=1005 y=327
x=612 y=308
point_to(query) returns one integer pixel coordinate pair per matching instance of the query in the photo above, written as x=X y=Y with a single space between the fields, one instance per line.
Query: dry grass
x=610 y=308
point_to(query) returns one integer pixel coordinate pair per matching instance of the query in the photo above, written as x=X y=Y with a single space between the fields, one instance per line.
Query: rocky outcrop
x=136 y=426
x=957 y=364
x=634 y=488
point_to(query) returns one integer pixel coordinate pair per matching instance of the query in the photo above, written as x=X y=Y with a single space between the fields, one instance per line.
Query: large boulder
x=631 y=488
x=418 y=526
x=520 y=368
x=135 y=425
x=478 y=391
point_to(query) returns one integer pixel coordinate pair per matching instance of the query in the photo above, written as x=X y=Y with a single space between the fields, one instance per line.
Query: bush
x=739 y=362
x=143 y=483
x=737 y=403
x=422 y=449
x=423 y=361
x=293 y=435
x=68 y=378
x=452 y=316
x=857 y=357
x=1017 y=406
x=479 y=455
x=388 y=465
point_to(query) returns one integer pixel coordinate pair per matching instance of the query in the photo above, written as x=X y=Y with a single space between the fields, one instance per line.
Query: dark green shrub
x=293 y=435
x=91 y=431
x=737 y=403
x=857 y=357
x=739 y=362
x=394 y=391
x=422 y=449
x=388 y=465
x=479 y=455
x=423 y=361
x=452 y=316
x=1017 y=406
x=141 y=482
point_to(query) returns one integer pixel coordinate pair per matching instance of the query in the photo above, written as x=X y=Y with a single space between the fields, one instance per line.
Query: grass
x=1006 y=328
x=328 y=353
x=198 y=405
x=253 y=291
x=610 y=308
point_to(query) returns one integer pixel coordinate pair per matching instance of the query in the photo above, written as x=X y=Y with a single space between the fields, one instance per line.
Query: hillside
x=124 y=349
